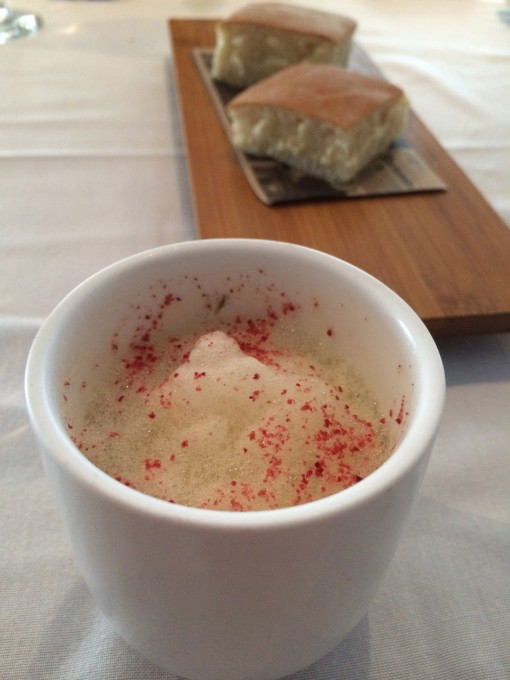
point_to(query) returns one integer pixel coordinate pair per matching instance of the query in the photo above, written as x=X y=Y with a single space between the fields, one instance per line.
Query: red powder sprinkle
x=236 y=505
x=199 y=375
x=151 y=463
x=125 y=482
x=330 y=332
x=152 y=415
x=319 y=468
x=169 y=299
x=184 y=443
x=400 y=416
x=256 y=376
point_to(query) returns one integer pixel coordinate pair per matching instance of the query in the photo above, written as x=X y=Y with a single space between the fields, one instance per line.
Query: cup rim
x=417 y=439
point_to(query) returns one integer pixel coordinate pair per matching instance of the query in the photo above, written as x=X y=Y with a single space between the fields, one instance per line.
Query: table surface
x=93 y=168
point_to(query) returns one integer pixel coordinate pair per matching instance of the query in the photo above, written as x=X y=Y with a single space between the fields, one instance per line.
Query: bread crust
x=325 y=92
x=293 y=19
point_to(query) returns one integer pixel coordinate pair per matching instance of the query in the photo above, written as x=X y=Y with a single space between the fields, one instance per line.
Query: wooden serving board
x=446 y=253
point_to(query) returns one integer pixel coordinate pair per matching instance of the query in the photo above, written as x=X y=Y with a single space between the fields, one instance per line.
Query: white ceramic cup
x=225 y=595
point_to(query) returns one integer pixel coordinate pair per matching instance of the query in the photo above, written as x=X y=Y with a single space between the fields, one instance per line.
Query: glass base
x=17 y=24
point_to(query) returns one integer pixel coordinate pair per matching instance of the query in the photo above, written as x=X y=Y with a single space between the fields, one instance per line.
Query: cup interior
x=169 y=290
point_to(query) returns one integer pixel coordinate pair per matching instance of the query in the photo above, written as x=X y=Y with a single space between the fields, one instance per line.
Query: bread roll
x=260 y=39
x=323 y=120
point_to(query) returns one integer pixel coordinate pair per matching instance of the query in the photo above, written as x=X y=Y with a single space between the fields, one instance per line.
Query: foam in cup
x=244 y=416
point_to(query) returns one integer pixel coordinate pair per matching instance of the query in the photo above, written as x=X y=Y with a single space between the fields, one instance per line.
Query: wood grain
x=447 y=254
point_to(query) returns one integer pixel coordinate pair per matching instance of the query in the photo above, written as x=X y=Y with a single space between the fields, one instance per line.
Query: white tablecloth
x=93 y=168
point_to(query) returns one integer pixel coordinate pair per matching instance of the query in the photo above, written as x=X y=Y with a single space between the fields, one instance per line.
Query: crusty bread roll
x=260 y=39
x=320 y=119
